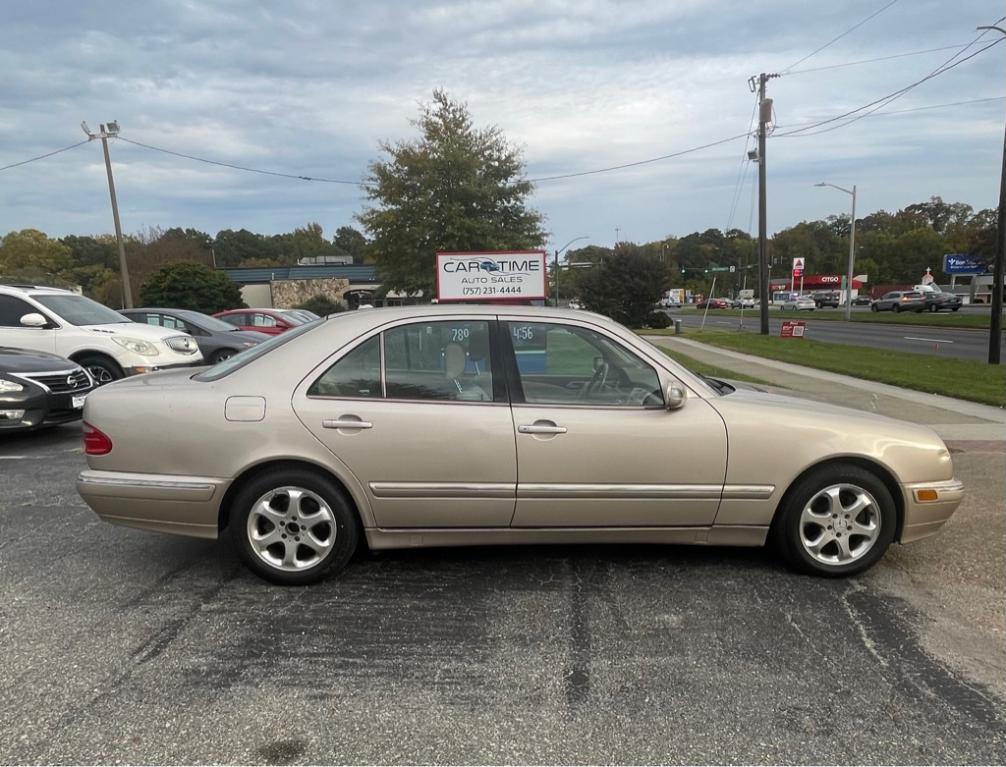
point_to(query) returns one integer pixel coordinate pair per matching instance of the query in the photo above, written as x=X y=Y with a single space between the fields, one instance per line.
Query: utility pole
x=996 y=325
x=112 y=130
x=764 y=117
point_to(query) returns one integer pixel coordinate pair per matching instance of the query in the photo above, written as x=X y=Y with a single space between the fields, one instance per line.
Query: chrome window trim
x=409 y=401
x=622 y=491
x=384 y=377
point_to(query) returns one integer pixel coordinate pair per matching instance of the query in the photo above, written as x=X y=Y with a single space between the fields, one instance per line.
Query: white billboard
x=501 y=274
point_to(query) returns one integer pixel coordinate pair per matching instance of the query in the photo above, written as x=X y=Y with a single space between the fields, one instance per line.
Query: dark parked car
x=937 y=301
x=827 y=298
x=39 y=389
x=899 y=301
x=863 y=299
x=217 y=340
x=269 y=321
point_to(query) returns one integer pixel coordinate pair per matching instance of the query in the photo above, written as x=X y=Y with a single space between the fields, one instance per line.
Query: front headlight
x=183 y=344
x=8 y=387
x=136 y=345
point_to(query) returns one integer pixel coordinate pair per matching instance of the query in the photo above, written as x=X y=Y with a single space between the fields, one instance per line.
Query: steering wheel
x=596 y=381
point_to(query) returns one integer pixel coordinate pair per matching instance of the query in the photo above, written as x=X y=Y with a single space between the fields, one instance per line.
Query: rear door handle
x=541 y=427
x=346 y=423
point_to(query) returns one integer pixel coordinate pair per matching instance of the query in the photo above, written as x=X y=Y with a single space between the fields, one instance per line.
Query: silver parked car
x=459 y=425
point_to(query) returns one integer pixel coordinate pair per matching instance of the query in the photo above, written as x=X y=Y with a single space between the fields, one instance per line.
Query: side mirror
x=34 y=320
x=675 y=396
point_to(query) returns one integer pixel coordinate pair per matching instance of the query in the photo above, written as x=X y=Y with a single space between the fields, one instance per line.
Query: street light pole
x=996 y=324
x=106 y=131
x=852 y=247
x=557 y=252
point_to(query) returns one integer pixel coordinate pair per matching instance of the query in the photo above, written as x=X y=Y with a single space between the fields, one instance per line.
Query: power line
x=871 y=61
x=742 y=168
x=43 y=156
x=966 y=102
x=641 y=162
x=241 y=167
x=884 y=100
x=834 y=40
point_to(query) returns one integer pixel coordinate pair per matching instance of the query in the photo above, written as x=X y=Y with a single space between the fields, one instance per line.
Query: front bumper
x=40 y=408
x=141 y=369
x=183 y=505
x=928 y=505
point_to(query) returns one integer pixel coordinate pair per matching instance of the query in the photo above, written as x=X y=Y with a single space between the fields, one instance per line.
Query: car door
x=419 y=414
x=596 y=445
x=265 y=323
x=13 y=333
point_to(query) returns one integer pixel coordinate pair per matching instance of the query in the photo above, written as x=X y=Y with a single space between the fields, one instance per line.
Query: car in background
x=108 y=345
x=272 y=322
x=827 y=298
x=937 y=301
x=217 y=340
x=713 y=303
x=301 y=314
x=745 y=302
x=899 y=301
x=863 y=299
x=799 y=304
x=475 y=425
x=39 y=390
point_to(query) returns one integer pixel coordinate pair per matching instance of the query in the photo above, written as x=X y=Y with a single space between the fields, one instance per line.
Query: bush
x=189 y=285
x=658 y=320
x=625 y=287
x=322 y=305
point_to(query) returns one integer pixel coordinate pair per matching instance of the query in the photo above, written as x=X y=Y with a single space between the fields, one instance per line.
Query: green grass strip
x=952 y=377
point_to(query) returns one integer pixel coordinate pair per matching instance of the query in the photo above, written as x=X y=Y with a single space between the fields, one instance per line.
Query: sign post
x=510 y=275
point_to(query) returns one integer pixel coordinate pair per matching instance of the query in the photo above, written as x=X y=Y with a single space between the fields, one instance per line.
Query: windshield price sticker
x=491 y=275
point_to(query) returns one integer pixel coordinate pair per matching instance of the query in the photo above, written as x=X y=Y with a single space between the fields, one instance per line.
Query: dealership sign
x=798 y=267
x=961 y=263
x=492 y=275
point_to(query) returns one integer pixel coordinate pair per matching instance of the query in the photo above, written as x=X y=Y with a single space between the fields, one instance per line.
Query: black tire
x=101 y=368
x=221 y=354
x=954 y=309
x=346 y=530
x=933 y=308
x=874 y=308
x=786 y=527
x=896 y=309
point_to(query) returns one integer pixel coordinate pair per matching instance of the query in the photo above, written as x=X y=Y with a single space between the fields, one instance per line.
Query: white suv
x=97 y=338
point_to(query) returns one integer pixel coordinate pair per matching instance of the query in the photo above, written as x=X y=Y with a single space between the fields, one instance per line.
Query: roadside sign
x=798 y=267
x=793 y=329
x=962 y=263
x=512 y=275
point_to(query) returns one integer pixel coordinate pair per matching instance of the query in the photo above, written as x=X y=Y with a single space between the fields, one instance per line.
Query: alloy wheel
x=291 y=528
x=840 y=524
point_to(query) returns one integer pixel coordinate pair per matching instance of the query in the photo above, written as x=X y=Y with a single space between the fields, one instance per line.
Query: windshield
x=78 y=310
x=239 y=360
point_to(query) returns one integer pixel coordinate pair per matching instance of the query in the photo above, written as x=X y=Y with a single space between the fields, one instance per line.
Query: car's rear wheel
x=933 y=308
x=293 y=526
x=874 y=308
x=836 y=521
x=102 y=369
x=897 y=309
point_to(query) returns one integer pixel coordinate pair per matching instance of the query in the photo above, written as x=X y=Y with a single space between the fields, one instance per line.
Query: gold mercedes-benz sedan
x=472 y=425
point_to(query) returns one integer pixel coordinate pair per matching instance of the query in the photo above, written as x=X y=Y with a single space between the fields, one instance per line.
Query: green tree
x=31 y=251
x=350 y=242
x=236 y=248
x=322 y=305
x=625 y=286
x=457 y=187
x=190 y=285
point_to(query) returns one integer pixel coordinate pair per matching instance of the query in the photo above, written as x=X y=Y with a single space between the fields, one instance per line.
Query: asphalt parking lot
x=124 y=646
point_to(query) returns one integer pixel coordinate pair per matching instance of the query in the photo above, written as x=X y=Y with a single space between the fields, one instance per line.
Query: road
x=945 y=342
x=123 y=646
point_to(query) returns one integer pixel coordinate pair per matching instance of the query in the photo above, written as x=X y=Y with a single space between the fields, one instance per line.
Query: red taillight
x=96 y=442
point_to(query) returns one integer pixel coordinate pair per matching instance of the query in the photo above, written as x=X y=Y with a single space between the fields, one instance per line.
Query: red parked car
x=269 y=321
x=714 y=303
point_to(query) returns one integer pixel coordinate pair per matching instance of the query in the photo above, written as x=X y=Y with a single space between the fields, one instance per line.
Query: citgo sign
x=512 y=275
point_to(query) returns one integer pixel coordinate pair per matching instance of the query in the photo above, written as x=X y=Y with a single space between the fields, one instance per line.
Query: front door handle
x=541 y=427
x=346 y=422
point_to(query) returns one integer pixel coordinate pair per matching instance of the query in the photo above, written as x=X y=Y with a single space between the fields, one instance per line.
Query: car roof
x=21 y=289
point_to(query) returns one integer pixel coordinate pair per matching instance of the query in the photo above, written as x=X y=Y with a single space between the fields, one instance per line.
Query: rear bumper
x=183 y=505
x=925 y=517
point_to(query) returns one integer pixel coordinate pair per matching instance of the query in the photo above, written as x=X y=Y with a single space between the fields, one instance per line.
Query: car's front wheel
x=836 y=521
x=293 y=526
x=102 y=369
x=221 y=354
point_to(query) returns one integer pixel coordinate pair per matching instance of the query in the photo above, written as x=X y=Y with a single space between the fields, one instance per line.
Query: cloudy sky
x=311 y=87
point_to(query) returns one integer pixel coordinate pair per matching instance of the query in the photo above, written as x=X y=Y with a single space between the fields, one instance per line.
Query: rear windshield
x=239 y=360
